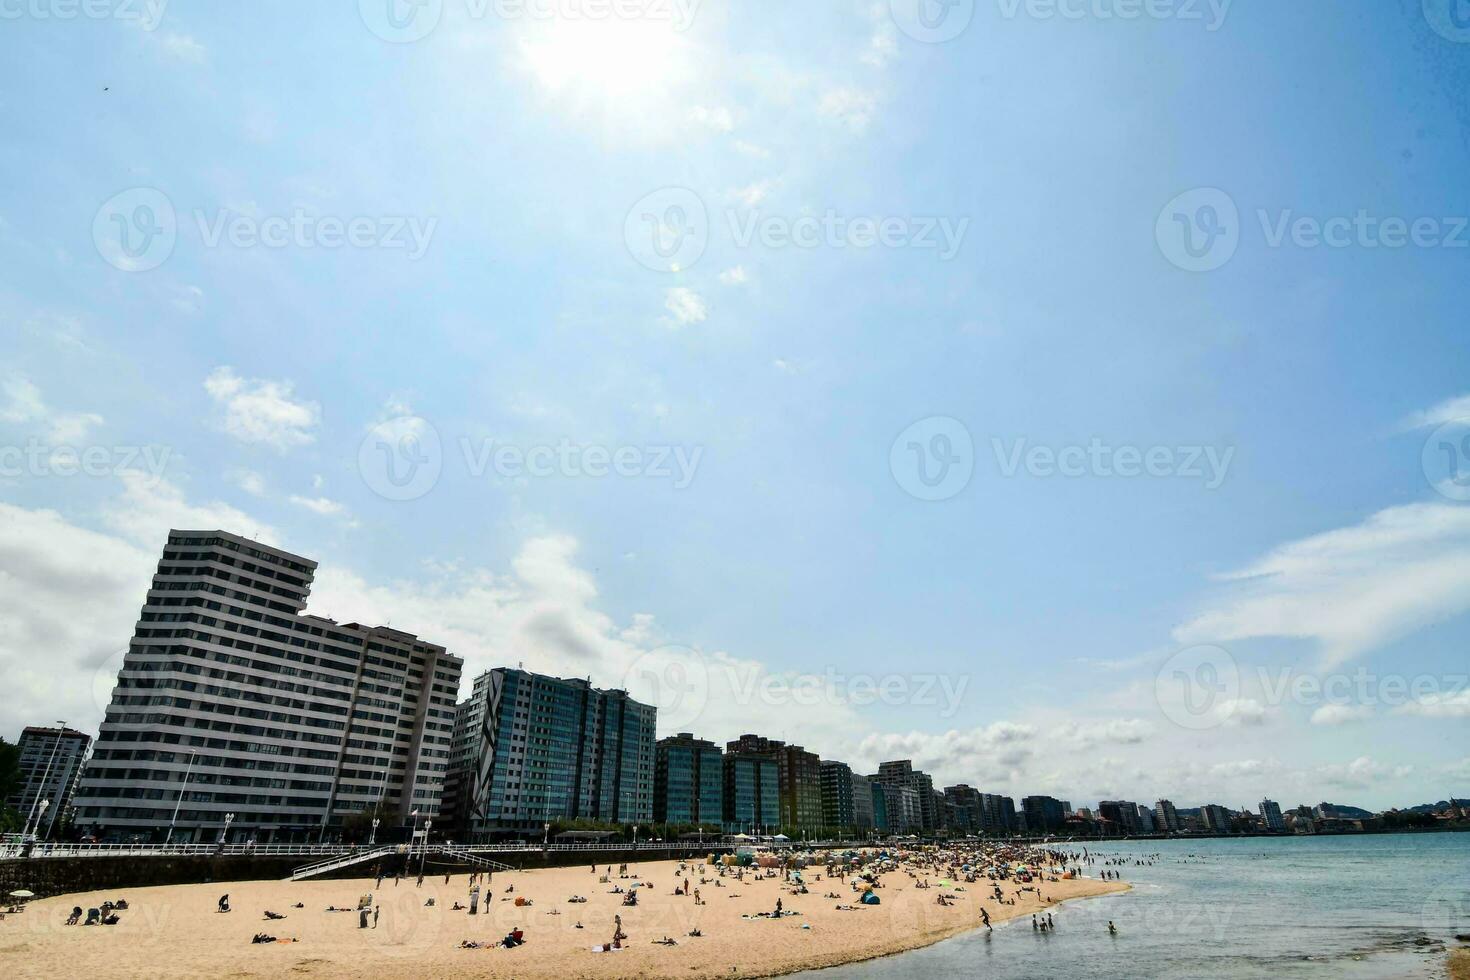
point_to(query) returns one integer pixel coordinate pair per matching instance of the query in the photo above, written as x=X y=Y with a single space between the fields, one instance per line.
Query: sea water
x=1332 y=907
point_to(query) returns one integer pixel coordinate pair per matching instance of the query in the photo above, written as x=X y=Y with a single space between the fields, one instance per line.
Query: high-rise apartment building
x=532 y=749
x=1045 y=814
x=1271 y=815
x=966 y=806
x=1166 y=817
x=50 y=767
x=233 y=702
x=839 y=811
x=901 y=772
x=997 y=813
x=752 y=794
x=688 y=781
x=799 y=773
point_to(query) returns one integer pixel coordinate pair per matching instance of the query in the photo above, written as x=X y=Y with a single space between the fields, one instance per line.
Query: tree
x=10 y=821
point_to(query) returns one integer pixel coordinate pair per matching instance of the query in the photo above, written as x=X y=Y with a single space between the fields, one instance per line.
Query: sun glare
x=606 y=59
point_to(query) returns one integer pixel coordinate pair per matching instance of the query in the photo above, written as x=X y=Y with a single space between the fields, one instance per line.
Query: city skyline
x=869 y=397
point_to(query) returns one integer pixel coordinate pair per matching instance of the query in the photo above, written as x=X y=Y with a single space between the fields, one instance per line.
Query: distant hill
x=1433 y=807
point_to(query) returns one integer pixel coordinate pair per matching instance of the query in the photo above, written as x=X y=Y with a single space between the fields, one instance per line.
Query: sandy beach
x=177 y=932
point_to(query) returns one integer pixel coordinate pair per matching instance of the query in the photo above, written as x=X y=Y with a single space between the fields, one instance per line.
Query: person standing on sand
x=475 y=899
x=376 y=910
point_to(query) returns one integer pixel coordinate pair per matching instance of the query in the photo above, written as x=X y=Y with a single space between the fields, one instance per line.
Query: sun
x=612 y=60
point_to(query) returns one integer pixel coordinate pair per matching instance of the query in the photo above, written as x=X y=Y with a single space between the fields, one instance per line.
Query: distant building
x=233 y=702
x=1122 y=814
x=966 y=807
x=997 y=814
x=839 y=810
x=549 y=748
x=1145 y=819
x=1271 y=815
x=901 y=773
x=800 y=777
x=1166 y=817
x=688 y=781
x=863 y=817
x=880 y=805
x=1216 y=818
x=51 y=762
x=752 y=794
x=1045 y=814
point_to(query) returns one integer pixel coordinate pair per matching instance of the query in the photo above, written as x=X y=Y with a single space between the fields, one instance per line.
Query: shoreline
x=175 y=931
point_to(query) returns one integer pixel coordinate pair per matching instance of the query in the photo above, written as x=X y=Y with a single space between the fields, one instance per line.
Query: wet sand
x=176 y=931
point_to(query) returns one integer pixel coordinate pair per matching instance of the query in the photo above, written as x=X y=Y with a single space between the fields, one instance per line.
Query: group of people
x=103 y=915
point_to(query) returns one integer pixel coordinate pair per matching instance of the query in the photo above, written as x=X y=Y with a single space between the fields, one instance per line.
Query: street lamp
x=546 y=836
x=424 y=854
x=229 y=819
x=180 y=801
x=374 y=838
x=42 y=806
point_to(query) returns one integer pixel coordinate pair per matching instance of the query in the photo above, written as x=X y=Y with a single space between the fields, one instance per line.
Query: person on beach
x=475 y=899
x=224 y=903
x=376 y=910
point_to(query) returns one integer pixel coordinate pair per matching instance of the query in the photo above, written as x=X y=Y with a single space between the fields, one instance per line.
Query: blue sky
x=1059 y=148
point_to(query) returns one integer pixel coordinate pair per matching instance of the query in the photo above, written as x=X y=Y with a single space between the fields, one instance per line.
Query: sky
x=1069 y=396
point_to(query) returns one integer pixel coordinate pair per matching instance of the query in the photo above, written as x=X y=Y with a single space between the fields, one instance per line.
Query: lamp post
x=424 y=854
x=41 y=806
x=225 y=833
x=374 y=838
x=45 y=777
x=180 y=801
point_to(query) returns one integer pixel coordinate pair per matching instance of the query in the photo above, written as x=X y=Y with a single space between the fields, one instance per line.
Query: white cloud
x=249 y=481
x=319 y=505
x=148 y=508
x=23 y=404
x=263 y=412
x=184 y=48
x=188 y=299
x=1448 y=705
x=752 y=195
x=849 y=106
x=686 y=305
x=1341 y=714
x=1353 y=589
x=1455 y=409
x=1241 y=711
x=882 y=46
x=1120 y=731
x=785 y=366
x=718 y=118
x=1362 y=773
x=23 y=401
x=752 y=150
x=734 y=276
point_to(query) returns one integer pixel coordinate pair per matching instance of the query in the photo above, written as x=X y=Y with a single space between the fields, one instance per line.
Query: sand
x=1459 y=967
x=176 y=932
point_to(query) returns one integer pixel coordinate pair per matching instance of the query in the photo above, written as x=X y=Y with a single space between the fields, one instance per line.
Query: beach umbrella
x=22 y=893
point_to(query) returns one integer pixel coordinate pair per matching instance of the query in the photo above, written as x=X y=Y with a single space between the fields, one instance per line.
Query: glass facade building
x=688 y=781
